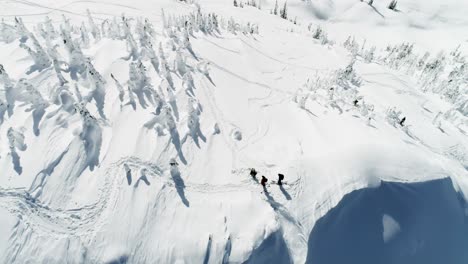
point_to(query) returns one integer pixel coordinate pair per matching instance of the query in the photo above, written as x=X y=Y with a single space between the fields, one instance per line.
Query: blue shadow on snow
x=429 y=226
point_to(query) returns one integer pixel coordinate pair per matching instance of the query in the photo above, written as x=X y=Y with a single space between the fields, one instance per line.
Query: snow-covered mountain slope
x=128 y=132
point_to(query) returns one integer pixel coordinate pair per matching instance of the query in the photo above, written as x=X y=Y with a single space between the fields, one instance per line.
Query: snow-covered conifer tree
x=7 y=33
x=284 y=11
x=10 y=93
x=25 y=92
x=94 y=28
x=40 y=57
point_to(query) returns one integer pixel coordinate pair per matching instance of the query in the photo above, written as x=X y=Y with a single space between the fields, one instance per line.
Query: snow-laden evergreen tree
x=348 y=77
x=369 y=54
x=157 y=121
x=144 y=38
x=9 y=90
x=97 y=84
x=3 y=110
x=275 y=11
x=94 y=28
x=77 y=60
x=153 y=57
x=432 y=71
x=77 y=64
x=119 y=88
x=67 y=39
x=171 y=126
x=351 y=45
x=84 y=37
x=193 y=122
x=66 y=26
x=149 y=29
x=21 y=30
x=393 y=116
x=180 y=63
x=457 y=55
x=65 y=99
x=159 y=100
x=140 y=83
x=321 y=35
x=91 y=136
x=49 y=28
x=164 y=70
x=4 y=77
x=284 y=11
x=40 y=57
x=185 y=42
x=26 y=93
x=132 y=45
x=132 y=48
x=188 y=84
x=7 y=33
x=115 y=31
x=57 y=64
x=366 y=110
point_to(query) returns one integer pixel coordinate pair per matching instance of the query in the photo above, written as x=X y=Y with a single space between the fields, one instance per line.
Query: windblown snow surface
x=96 y=105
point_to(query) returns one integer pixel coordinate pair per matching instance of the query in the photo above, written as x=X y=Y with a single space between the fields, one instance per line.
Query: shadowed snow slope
x=429 y=226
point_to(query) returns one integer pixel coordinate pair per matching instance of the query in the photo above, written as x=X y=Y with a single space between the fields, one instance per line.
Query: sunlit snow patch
x=390 y=227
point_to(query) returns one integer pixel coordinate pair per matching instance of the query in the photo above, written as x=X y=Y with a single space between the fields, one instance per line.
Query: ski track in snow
x=295 y=213
x=89 y=219
x=62 y=8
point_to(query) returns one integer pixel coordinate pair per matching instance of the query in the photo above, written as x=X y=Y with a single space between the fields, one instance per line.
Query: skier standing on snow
x=402 y=122
x=280 y=179
x=263 y=181
x=253 y=173
x=173 y=162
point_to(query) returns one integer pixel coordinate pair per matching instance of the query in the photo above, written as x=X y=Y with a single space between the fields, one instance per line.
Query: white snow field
x=128 y=130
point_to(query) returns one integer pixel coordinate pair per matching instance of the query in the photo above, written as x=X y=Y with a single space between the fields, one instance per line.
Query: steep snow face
x=128 y=131
x=410 y=223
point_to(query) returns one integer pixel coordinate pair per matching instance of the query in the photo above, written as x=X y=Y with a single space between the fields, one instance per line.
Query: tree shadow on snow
x=428 y=225
x=16 y=162
x=206 y=259
x=128 y=174
x=40 y=179
x=377 y=11
x=179 y=185
x=37 y=116
x=143 y=178
x=175 y=139
x=35 y=68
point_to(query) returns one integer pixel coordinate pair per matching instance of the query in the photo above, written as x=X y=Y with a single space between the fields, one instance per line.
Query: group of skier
x=264 y=180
